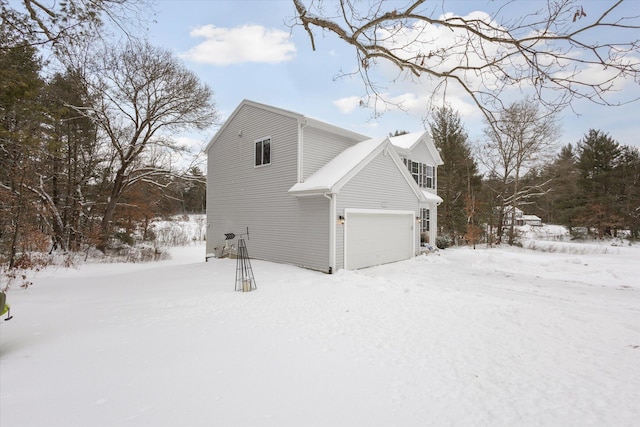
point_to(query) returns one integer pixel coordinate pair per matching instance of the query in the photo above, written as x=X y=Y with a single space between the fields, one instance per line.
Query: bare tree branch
x=143 y=94
x=63 y=23
x=557 y=54
x=518 y=141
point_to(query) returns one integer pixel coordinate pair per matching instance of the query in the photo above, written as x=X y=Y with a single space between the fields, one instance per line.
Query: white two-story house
x=316 y=195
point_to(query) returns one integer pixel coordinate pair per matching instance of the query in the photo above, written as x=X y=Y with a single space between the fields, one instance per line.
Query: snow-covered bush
x=180 y=231
x=131 y=253
x=443 y=241
x=19 y=274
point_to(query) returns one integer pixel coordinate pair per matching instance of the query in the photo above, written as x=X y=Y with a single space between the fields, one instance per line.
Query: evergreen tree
x=559 y=205
x=599 y=155
x=70 y=161
x=194 y=194
x=20 y=128
x=629 y=177
x=458 y=177
x=397 y=133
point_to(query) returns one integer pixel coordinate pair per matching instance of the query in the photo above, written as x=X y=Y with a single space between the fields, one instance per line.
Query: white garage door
x=373 y=238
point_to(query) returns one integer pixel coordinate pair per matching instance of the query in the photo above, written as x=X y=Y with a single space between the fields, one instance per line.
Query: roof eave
x=319 y=124
x=310 y=191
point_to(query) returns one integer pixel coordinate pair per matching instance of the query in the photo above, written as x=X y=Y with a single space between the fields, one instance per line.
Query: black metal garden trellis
x=245 y=281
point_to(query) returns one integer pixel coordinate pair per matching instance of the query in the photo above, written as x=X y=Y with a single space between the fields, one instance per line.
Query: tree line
x=87 y=140
x=591 y=186
x=88 y=125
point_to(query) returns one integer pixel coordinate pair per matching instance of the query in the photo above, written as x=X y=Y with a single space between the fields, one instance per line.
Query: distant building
x=520 y=218
x=532 y=220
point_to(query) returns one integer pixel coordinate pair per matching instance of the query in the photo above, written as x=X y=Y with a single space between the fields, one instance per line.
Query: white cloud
x=348 y=105
x=443 y=49
x=247 y=43
x=417 y=101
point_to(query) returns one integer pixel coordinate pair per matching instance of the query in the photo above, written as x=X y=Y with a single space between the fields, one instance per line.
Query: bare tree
x=143 y=96
x=560 y=52
x=58 y=23
x=521 y=139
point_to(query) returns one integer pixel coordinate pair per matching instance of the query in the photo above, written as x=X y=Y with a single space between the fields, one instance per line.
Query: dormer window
x=263 y=152
x=422 y=173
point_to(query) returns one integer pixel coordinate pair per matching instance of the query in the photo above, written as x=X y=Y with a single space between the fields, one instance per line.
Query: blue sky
x=243 y=49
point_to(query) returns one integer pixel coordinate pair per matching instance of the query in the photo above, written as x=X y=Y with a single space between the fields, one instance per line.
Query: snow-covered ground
x=486 y=337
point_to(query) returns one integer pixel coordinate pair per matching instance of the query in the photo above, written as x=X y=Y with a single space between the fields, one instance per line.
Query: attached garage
x=374 y=237
x=373 y=205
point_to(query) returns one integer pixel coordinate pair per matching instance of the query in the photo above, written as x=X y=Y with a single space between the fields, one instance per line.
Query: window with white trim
x=429 y=182
x=424 y=220
x=263 y=152
x=422 y=173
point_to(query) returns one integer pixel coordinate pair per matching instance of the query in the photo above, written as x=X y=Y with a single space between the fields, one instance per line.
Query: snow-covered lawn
x=486 y=337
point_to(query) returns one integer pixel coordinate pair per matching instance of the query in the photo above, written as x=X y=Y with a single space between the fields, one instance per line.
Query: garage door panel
x=378 y=238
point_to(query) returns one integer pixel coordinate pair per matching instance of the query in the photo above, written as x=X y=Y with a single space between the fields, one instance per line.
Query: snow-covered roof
x=531 y=218
x=406 y=141
x=432 y=197
x=508 y=209
x=341 y=168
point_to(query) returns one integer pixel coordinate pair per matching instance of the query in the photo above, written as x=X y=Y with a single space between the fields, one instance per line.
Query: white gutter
x=332 y=231
x=301 y=124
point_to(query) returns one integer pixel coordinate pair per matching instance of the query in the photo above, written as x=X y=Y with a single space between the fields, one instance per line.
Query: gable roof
x=319 y=124
x=245 y=102
x=408 y=141
x=308 y=121
x=334 y=174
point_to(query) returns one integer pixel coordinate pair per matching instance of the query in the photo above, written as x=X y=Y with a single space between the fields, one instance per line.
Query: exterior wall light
x=341 y=220
x=418 y=219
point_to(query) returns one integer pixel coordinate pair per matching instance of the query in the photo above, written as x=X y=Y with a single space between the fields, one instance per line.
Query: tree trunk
x=17 y=223
x=119 y=185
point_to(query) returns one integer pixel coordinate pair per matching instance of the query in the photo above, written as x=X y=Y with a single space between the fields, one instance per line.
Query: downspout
x=433 y=232
x=332 y=231
x=301 y=124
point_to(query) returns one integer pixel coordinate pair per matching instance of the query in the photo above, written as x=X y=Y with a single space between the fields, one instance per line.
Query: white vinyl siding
x=282 y=228
x=420 y=154
x=320 y=147
x=285 y=228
